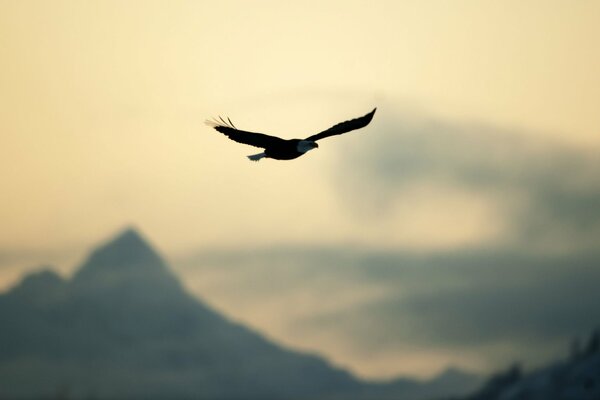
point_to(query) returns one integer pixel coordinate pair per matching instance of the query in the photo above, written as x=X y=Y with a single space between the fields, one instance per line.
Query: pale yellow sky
x=103 y=104
x=104 y=101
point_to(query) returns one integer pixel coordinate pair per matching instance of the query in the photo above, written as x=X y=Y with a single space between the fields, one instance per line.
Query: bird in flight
x=285 y=149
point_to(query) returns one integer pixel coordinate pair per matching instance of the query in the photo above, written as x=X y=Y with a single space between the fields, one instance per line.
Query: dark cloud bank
x=476 y=301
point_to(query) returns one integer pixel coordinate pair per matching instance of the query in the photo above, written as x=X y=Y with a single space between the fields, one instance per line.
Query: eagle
x=285 y=149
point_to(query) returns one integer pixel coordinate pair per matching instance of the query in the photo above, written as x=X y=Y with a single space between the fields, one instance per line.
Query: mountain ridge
x=575 y=378
x=124 y=327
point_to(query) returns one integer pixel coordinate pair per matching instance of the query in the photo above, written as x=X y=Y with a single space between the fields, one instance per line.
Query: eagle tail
x=217 y=122
x=256 y=157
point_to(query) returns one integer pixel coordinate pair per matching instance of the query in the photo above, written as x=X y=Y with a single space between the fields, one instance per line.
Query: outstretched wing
x=252 y=138
x=344 y=127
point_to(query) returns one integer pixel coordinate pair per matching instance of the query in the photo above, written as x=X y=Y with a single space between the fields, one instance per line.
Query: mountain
x=123 y=327
x=577 y=378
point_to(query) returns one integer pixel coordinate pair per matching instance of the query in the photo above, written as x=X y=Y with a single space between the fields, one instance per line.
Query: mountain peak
x=126 y=248
x=40 y=287
x=126 y=255
x=39 y=281
x=129 y=233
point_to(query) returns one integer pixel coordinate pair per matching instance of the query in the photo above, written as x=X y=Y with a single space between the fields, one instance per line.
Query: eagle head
x=306 y=145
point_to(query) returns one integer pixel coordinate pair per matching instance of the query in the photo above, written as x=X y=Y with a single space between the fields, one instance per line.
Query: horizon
x=234 y=311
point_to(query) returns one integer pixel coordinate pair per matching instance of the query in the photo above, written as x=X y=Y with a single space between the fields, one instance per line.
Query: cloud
x=375 y=310
x=535 y=190
x=465 y=299
x=477 y=248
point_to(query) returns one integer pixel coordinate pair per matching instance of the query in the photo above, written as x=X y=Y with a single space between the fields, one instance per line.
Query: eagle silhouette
x=285 y=149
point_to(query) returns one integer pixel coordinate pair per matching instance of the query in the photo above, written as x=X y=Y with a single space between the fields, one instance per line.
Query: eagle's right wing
x=344 y=127
x=252 y=138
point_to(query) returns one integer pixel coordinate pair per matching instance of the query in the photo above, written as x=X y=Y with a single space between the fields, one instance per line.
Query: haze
x=483 y=154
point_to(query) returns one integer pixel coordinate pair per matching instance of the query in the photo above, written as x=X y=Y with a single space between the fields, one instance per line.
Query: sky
x=387 y=249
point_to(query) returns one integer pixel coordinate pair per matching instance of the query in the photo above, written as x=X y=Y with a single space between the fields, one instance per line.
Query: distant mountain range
x=577 y=378
x=124 y=328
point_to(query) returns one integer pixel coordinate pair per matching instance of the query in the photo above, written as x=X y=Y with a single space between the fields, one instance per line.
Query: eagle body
x=285 y=149
x=289 y=149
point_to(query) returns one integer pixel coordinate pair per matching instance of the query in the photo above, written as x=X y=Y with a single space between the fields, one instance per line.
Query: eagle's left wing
x=344 y=127
x=252 y=138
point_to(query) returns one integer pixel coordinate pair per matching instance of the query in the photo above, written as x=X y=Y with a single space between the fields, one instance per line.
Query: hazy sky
x=486 y=140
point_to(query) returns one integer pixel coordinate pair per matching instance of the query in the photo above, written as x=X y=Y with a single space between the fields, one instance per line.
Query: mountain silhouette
x=575 y=378
x=124 y=327
x=127 y=254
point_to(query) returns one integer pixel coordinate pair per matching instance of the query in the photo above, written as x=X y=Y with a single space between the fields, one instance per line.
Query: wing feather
x=344 y=127
x=251 y=138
